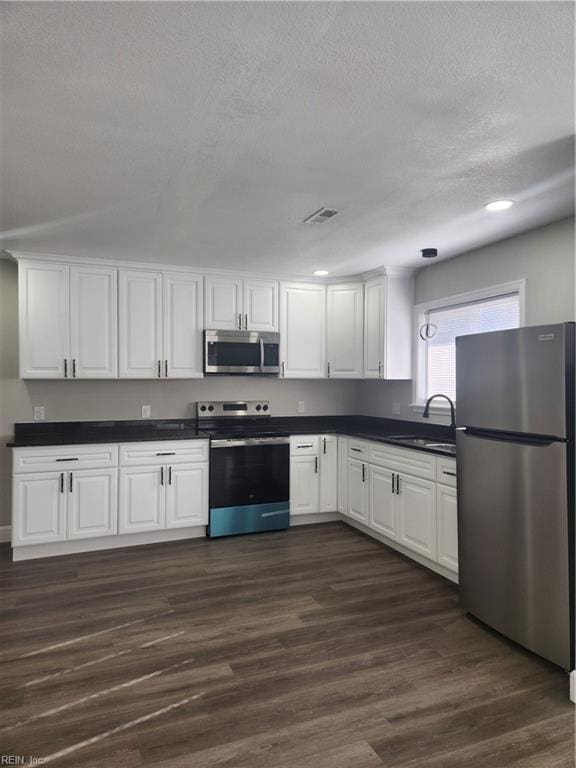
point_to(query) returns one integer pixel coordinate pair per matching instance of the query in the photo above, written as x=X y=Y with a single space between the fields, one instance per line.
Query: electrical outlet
x=396 y=409
x=39 y=413
x=146 y=411
x=301 y=406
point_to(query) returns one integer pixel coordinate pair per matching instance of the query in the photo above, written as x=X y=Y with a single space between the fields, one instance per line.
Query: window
x=494 y=310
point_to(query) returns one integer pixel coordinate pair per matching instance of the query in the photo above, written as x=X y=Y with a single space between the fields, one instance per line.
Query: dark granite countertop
x=360 y=427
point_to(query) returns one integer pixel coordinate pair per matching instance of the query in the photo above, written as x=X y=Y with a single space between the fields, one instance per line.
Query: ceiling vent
x=320 y=216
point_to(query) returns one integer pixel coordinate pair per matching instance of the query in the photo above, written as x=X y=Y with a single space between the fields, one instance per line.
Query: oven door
x=241 y=352
x=249 y=486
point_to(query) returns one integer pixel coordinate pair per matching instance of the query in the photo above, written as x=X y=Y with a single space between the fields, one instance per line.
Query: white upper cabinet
x=183 y=325
x=93 y=322
x=223 y=304
x=303 y=330
x=260 y=300
x=388 y=328
x=240 y=305
x=344 y=331
x=140 y=303
x=44 y=319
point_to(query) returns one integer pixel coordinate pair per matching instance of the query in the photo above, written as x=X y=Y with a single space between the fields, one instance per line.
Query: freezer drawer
x=513 y=540
x=515 y=381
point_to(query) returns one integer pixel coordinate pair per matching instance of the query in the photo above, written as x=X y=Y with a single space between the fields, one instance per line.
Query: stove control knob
x=210 y=407
x=265 y=407
x=258 y=407
x=202 y=408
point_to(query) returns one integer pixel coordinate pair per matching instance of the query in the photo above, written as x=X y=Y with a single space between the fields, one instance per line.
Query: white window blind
x=495 y=314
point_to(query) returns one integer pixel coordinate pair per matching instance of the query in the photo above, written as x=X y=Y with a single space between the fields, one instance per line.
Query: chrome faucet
x=426 y=413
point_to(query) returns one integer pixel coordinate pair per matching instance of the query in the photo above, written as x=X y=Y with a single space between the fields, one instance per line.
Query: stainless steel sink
x=423 y=442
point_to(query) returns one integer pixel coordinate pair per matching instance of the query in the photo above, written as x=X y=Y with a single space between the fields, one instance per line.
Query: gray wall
x=544 y=256
x=123 y=399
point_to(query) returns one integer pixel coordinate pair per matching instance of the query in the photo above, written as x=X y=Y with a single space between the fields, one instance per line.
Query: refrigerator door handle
x=507 y=437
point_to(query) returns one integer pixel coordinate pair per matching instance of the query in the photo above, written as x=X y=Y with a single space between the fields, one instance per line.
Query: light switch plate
x=301 y=406
x=39 y=413
x=146 y=411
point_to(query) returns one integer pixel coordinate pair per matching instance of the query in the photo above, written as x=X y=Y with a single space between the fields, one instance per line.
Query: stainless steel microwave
x=241 y=352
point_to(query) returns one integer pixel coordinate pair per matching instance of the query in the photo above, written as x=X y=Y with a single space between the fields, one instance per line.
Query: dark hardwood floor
x=313 y=648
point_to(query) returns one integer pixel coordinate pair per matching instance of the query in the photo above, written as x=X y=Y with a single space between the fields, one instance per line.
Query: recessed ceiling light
x=499 y=205
x=321 y=272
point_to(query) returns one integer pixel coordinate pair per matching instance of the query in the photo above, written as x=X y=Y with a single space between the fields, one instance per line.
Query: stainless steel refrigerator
x=515 y=397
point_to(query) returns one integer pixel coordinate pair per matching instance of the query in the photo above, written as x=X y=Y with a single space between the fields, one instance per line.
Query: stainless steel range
x=249 y=468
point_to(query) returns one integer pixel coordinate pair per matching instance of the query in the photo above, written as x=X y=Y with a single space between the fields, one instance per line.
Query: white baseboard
x=310 y=519
x=5 y=533
x=59 y=548
x=448 y=574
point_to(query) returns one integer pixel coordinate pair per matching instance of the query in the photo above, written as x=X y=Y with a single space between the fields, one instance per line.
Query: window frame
x=419 y=350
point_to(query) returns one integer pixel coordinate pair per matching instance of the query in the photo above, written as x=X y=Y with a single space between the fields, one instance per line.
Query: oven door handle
x=249 y=441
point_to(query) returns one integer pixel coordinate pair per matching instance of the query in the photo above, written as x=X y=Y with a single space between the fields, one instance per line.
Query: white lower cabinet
x=328 y=473
x=383 y=502
x=38 y=508
x=357 y=490
x=142 y=499
x=447 y=516
x=343 y=475
x=187 y=495
x=304 y=485
x=92 y=503
x=417 y=514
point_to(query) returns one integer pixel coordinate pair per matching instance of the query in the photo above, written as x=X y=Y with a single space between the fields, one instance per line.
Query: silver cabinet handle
x=451 y=474
x=305 y=445
x=324 y=445
x=166 y=368
x=328 y=370
x=363 y=473
x=169 y=475
x=357 y=450
x=283 y=374
x=75 y=458
x=161 y=475
x=61 y=482
x=73 y=367
x=65 y=368
x=159 y=368
x=316 y=464
x=245 y=322
x=398 y=491
x=71 y=482
x=393 y=481
x=379 y=369
x=239 y=321
x=166 y=453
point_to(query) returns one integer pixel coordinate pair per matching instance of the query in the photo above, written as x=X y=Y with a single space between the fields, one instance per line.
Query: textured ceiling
x=203 y=133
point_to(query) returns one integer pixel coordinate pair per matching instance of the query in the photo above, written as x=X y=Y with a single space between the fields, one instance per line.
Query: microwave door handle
x=261 y=353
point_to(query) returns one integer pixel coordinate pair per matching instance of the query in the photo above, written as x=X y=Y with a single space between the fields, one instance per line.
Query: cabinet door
x=447 y=515
x=44 y=319
x=398 y=328
x=382 y=502
x=260 y=300
x=343 y=475
x=38 y=508
x=417 y=515
x=187 y=495
x=374 y=318
x=183 y=326
x=94 y=322
x=304 y=485
x=344 y=331
x=303 y=330
x=328 y=473
x=140 y=303
x=142 y=499
x=357 y=490
x=92 y=503
x=223 y=304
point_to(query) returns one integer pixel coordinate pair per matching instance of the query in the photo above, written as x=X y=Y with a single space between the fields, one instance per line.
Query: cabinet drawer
x=358 y=449
x=64 y=457
x=163 y=452
x=446 y=471
x=304 y=445
x=404 y=460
